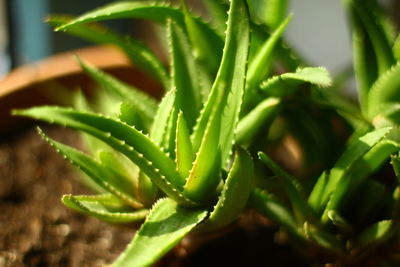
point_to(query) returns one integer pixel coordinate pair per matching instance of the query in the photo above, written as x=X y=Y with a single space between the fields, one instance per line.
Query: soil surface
x=37 y=230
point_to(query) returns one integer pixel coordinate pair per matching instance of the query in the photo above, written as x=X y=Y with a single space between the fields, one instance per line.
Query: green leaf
x=103 y=208
x=201 y=45
x=352 y=154
x=151 y=10
x=256 y=119
x=371 y=46
x=122 y=137
x=170 y=136
x=359 y=171
x=292 y=189
x=324 y=239
x=395 y=161
x=184 y=151
x=376 y=233
x=129 y=114
x=384 y=93
x=160 y=124
x=227 y=91
x=285 y=84
x=396 y=48
x=184 y=74
x=165 y=226
x=137 y=52
x=144 y=104
x=265 y=204
x=260 y=65
x=340 y=222
x=269 y=12
x=214 y=133
x=368 y=12
x=218 y=13
x=204 y=175
x=235 y=192
x=102 y=176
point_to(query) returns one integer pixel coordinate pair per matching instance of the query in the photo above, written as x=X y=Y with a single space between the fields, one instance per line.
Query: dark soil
x=37 y=230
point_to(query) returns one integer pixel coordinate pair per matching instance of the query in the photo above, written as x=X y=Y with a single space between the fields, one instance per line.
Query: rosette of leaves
x=350 y=214
x=181 y=147
x=184 y=146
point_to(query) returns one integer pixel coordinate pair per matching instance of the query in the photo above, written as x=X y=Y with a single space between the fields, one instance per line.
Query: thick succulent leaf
x=324 y=239
x=101 y=175
x=122 y=137
x=165 y=226
x=184 y=150
x=214 y=133
x=184 y=74
x=269 y=12
x=201 y=45
x=137 y=52
x=169 y=138
x=256 y=119
x=204 y=176
x=364 y=66
x=235 y=192
x=395 y=161
x=285 y=84
x=396 y=48
x=227 y=91
x=291 y=187
x=376 y=234
x=340 y=222
x=151 y=10
x=260 y=65
x=374 y=26
x=265 y=204
x=372 y=49
x=218 y=13
x=352 y=154
x=349 y=110
x=160 y=124
x=144 y=104
x=119 y=164
x=359 y=171
x=129 y=114
x=384 y=93
x=102 y=208
x=318 y=191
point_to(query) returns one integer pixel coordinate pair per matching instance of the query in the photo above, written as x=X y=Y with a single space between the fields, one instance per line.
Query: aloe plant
x=195 y=159
x=185 y=152
x=350 y=211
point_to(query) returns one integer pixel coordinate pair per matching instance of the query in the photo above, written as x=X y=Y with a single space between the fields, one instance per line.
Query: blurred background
x=318 y=30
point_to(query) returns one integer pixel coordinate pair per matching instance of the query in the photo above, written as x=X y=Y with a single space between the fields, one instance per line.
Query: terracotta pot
x=34 y=84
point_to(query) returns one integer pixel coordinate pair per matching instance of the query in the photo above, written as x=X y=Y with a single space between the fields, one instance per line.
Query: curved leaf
x=285 y=84
x=292 y=188
x=352 y=154
x=184 y=74
x=257 y=118
x=137 y=52
x=235 y=192
x=165 y=226
x=99 y=207
x=214 y=132
x=102 y=176
x=385 y=92
x=144 y=104
x=122 y=137
x=261 y=63
x=151 y=10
